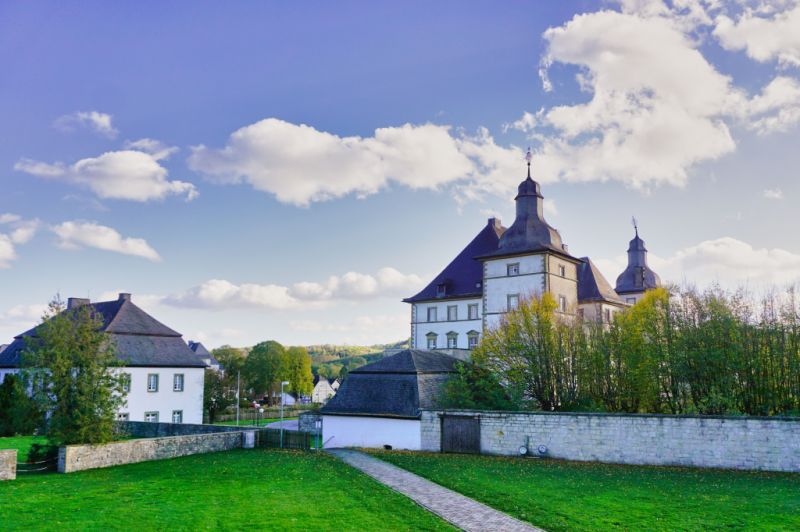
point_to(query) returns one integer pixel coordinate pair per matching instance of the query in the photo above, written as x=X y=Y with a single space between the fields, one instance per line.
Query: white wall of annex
x=371 y=432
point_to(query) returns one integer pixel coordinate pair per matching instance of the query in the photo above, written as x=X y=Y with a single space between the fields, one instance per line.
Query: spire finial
x=635 y=225
x=528 y=157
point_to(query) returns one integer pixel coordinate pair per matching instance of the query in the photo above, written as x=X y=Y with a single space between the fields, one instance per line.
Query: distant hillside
x=333 y=360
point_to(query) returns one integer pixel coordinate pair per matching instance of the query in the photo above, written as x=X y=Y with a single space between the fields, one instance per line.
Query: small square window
x=473 y=311
x=152 y=382
x=630 y=300
x=123 y=416
x=513 y=302
x=177 y=382
x=151 y=417
x=177 y=416
x=512 y=269
x=431 y=313
x=562 y=270
x=452 y=313
x=562 y=303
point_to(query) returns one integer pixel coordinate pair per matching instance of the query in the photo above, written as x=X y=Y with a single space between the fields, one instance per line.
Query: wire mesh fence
x=291 y=439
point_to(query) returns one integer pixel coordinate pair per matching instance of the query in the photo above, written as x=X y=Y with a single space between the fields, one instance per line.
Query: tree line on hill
x=677 y=351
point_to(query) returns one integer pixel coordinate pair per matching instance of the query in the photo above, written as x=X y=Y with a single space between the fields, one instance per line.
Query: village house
x=165 y=377
x=323 y=390
x=205 y=355
x=502 y=266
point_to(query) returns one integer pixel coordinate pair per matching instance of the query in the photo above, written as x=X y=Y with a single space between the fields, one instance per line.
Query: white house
x=379 y=404
x=165 y=377
x=204 y=354
x=323 y=389
x=502 y=266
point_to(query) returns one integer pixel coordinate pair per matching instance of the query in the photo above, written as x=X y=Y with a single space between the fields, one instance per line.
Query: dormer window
x=512 y=269
x=441 y=290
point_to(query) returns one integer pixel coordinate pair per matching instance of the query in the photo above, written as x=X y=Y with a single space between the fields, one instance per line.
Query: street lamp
x=283 y=383
x=260 y=415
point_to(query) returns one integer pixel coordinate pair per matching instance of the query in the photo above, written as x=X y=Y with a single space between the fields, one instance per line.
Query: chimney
x=75 y=302
x=494 y=222
x=124 y=296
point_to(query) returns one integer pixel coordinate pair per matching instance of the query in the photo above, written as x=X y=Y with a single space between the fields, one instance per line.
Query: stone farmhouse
x=165 y=377
x=502 y=266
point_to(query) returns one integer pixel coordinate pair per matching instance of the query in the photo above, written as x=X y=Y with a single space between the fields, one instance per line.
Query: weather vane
x=635 y=225
x=528 y=157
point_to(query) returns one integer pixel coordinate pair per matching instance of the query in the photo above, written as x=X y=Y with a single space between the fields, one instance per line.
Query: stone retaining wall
x=8 y=464
x=79 y=457
x=307 y=422
x=758 y=443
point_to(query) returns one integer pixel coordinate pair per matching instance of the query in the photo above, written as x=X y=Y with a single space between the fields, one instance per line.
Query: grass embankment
x=242 y=489
x=558 y=495
x=22 y=444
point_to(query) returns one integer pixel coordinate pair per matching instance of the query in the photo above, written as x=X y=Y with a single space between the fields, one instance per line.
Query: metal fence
x=291 y=439
x=50 y=464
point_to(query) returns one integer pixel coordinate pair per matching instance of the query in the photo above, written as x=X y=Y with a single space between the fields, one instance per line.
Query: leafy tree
x=72 y=366
x=217 y=396
x=231 y=359
x=265 y=366
x=475 y=387
x=299 y=371
x=18 y=412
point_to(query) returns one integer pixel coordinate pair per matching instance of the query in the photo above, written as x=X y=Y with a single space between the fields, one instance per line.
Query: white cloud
x=352 y=286
x=14 y=230
x=19 y=318
x=126 y=174
x=766 y=34
x=76 y=235
x=156 y=148
x=726 y=260
x=777 y=108
x=99 y=122
x=773 y=193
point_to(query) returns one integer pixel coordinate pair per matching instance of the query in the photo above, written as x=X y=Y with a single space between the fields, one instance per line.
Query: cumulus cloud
x=726 y=260
x=77 y=235
x=99 y=122
x=156 y=148
x=352 y=286
x=14 y=230
x=126 y=174
x=765 y=33
x=773 y=193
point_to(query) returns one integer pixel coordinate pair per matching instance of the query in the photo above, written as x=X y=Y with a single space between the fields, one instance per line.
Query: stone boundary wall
x=307 y=422
x=79 y=457
x=8 y=464
x=756 y=443
x=146 y=429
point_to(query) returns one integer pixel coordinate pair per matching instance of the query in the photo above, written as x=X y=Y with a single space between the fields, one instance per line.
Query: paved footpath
x=461 y=511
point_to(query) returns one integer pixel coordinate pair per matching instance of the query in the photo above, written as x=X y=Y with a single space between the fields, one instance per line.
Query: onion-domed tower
x=637 y=277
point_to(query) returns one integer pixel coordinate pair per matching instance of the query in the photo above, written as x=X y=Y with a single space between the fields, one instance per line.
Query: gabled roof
x=204 y=354
x=464 y=275
x=398 y=386
x=139 y=339
x=593 y=286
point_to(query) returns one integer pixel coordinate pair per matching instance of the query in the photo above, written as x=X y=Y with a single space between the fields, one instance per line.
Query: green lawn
x=237 y=490
x=250 y=423
x=557 y=495
x=22 y=444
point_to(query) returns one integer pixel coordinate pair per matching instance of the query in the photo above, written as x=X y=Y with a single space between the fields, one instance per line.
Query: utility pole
x=237 y=397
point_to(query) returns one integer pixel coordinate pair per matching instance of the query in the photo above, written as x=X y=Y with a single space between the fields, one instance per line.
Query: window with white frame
x=177 y=416
x=630 y=300
x=472 y=339
x=123 y=416
x=562 y=270
x=473 y=311
x=513 y=301
x=152 y=382
x=431 y=313
x=431 y=340
x=452 y=313
x=562 y=303
x=177 y=382
x=126 y=382
x=512 y=269
x=151 y=417
x=452 y=340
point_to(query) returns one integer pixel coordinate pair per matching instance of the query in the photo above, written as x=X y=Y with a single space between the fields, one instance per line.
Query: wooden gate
x=461 y=434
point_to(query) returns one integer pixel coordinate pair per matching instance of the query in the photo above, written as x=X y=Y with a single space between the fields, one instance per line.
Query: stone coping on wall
x=8 y=464
x=473 y=412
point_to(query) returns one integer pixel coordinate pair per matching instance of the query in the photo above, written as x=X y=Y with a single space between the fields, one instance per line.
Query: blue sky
x=292 y=170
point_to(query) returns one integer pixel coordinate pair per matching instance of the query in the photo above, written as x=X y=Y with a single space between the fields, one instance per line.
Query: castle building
x=502 y=266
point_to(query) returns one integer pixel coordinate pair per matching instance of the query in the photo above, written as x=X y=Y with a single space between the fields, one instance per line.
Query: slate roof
x=398 y=386
x=139 y=339
x=464 y=275
x=530 y=232
x=592 y=285
x=637 y=276
x=204 y=354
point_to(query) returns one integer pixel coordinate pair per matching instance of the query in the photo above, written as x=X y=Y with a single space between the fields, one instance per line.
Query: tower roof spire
x=529 y=157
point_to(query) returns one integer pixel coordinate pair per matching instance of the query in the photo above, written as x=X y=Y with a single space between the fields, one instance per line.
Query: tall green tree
x=217 y=396
x=299 y=371
x=18 y=412
x=266 y=365
x=72 y=365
